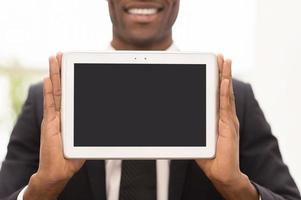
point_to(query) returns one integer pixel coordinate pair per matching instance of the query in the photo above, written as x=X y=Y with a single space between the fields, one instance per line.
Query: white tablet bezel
x=141 y=57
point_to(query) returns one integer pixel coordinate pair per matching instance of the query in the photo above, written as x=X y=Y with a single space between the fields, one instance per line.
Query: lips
x=143 y=12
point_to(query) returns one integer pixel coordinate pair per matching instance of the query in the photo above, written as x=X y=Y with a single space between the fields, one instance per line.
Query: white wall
x=276 y=77
x=35 y=29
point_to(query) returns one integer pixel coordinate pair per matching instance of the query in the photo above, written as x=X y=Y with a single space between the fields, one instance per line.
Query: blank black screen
x=139 y=105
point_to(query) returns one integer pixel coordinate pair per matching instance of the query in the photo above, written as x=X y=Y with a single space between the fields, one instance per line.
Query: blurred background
x=262 y=37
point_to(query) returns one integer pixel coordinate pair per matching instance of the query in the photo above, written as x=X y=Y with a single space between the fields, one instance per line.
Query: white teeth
x=143 y=11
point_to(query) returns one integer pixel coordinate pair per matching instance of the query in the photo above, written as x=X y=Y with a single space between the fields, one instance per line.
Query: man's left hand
x=224 y=171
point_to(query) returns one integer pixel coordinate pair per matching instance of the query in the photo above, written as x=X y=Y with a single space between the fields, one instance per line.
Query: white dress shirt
x=113 y=171
x=113 y=176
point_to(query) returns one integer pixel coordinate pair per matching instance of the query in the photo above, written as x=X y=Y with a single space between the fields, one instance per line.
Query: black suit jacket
x=260 y=158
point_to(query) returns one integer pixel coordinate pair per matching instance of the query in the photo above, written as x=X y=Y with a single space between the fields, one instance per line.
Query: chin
x=143 y=38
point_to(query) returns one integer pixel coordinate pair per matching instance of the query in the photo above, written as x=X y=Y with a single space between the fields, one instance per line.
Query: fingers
x=55 y=77
x=49 y=105
x=227 y=74
x=224 y=100
x=220 y=63
x=59 y=57
x=227 y=101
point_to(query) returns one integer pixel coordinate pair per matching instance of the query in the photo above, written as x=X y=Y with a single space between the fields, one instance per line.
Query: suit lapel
x=96 y=171
x=177 y=176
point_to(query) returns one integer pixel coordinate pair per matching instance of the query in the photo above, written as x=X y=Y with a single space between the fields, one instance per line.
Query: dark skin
x=134 y=34
x=132 y=30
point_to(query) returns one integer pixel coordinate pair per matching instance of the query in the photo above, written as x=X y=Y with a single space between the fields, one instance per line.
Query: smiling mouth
x=143 y=11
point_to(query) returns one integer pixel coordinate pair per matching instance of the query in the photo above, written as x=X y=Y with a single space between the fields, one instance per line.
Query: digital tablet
x=139 y=105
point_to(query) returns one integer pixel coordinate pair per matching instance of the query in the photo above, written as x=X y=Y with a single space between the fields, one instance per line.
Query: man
x=247 y=166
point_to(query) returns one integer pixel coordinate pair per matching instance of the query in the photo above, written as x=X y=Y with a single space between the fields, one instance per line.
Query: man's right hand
x=54 y=170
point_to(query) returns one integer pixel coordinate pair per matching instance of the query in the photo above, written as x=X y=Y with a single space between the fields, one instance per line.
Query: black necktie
x=138 y=180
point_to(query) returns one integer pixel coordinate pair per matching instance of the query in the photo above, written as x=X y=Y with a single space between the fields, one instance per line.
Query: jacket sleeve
x=260 y=157
x=22 y=156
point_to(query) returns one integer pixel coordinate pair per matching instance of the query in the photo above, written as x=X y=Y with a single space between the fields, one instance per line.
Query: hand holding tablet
x=54 y=170
x=224 y=168
x=139 y=105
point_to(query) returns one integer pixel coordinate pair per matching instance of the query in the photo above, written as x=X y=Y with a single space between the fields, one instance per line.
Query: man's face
x=143 y=22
